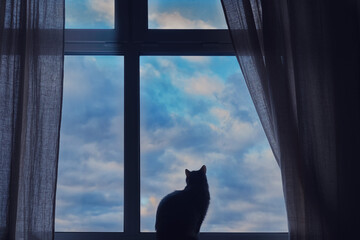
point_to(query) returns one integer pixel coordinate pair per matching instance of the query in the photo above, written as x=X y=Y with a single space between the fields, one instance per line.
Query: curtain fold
x=31 y=72
x=300 y=60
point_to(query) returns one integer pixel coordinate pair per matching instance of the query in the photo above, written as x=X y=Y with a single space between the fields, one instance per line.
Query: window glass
x=90 y=176
x=185 y=14
x=197 y=110
x=90 y=14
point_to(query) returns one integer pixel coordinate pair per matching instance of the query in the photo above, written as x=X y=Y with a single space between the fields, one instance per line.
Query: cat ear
x=203 y=168
x=187 y=172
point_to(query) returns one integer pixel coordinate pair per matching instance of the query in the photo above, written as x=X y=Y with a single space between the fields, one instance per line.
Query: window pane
x=90 y=14
x=195 y=111
x=186 y=14
x=90 y=181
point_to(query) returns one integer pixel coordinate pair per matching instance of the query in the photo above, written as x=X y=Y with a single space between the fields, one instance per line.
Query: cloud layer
x=90 y=14
x=195 y=110
x=174 y=20
x=186 y=14
x=191 y=114
x=90 y=182
x=202 y=114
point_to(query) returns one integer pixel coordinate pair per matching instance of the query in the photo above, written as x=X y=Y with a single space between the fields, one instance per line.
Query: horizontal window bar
x=158 y=36
x=99 y=48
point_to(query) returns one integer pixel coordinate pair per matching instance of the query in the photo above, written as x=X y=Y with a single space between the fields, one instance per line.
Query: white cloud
x=105 y=221
x=198 y=83
x=104 y=9
x=147 y=70
x=149 y=206
x=197 y=59
x=233 y=133
x=90 y=172
x=74 y=83
x=94 y=167
x=239 y=206
x=269 y=181
x=116 y=128
x=157 y=139
x=254 y=221
x=110 y=167
x=166 y=63
x=174 y=20
x=203 y=85
x=223 y=115
x=266 y=220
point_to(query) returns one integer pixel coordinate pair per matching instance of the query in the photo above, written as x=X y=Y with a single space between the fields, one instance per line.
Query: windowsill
x=151 y=236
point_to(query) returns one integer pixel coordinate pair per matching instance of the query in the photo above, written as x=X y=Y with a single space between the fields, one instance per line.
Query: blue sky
x=163 y=14
x=90 y=191
x=186 y=14
x=195 y=110
x=98 y=14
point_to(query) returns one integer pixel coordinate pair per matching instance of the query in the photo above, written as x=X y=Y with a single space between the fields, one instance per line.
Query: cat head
x=196 y=177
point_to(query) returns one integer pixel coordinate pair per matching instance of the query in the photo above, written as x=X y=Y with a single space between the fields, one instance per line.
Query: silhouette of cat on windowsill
x=180 y=214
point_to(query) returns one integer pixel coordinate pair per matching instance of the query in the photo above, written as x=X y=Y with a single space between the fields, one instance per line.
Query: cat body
x=180 y=214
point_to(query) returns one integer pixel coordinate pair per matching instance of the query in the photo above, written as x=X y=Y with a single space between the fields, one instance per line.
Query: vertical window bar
x=139 y=17
x=131 y=143
x=122 y=20
x=132 y=116
x=117 y=14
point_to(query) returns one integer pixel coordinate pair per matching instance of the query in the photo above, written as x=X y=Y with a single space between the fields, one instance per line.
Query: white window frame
x=131 y=38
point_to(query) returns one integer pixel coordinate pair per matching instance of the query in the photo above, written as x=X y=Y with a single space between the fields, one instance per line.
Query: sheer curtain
x=31 y=56
x=300 y=60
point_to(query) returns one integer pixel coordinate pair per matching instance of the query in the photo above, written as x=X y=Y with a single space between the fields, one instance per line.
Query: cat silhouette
x=180 y=214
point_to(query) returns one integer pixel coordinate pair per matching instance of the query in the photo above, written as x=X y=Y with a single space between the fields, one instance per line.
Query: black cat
x=180 y=214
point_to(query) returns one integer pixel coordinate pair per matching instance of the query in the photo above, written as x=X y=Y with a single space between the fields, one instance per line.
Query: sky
x=89 y=189
x=186 y=14
x=162 y=14
x=194 y=110
x=197 y=110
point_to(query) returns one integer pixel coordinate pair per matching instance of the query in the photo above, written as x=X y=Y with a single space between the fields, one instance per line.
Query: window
x=122 y=63
x=77 y=14
x=185 y=14
x=195 y=111
x=89 y=190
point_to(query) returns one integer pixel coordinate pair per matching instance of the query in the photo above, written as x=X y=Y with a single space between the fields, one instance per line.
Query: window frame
x=132 y=41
